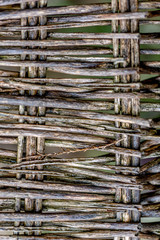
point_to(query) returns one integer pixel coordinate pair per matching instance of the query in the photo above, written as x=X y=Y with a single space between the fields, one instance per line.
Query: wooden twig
x=72 y=10
x=150 y=164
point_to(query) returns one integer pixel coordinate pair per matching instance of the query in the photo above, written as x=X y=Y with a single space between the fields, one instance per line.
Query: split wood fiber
x=79 y=120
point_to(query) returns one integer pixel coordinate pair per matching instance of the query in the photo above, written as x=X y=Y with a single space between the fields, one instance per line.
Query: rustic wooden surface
x=77 y=94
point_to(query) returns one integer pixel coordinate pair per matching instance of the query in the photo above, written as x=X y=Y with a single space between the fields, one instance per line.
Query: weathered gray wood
x=77 y=130
x=19 y=84
x=52 y=204
x=150 y=164
x=78 y=189
x=94 y=117
x=55 y=135
x=64 y=59
x=48 y=186
x=99 y=72
x=148 y=236
x=81 y=166
x=149 y=5
x=14 y=237
x=126 y=170
x=151 y=199
x=44 y=102
x=148 y=51
x=100 y=17
x=33 y=194
x=106 y=117
x=104 y=234
x=149 y=227
x=64 y=81
x=20 y=217
x=106 y=184
x=82 y=52
x=150 y=41
x=52 y=26
x=94 y=35
x=86 y=225
x=11 y=140
x=154 y=214
x=7 y=153
x=106 y=159
x=53 y=43
x=154 y=179
x=154 y=169
x=72 y=10
x=9 y=2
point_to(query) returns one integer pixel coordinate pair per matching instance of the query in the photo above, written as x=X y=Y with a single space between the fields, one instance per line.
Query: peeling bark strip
x=99 y=108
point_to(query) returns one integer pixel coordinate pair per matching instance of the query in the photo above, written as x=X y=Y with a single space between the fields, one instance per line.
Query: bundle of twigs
x=85 y=96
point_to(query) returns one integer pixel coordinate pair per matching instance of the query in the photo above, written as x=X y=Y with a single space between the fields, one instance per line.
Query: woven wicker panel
x=79 y=120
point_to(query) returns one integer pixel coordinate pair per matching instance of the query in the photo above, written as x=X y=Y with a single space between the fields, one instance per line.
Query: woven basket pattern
x=79 y=120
